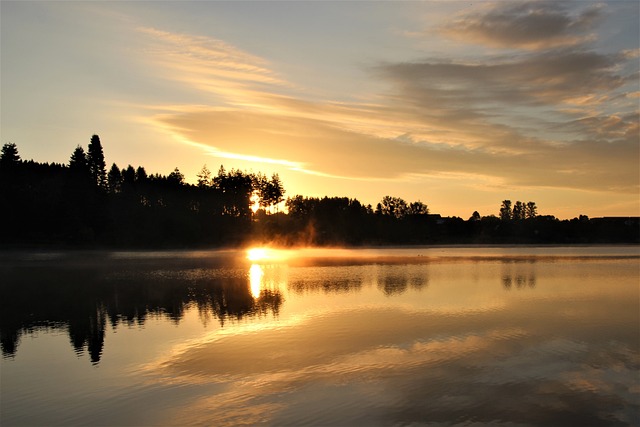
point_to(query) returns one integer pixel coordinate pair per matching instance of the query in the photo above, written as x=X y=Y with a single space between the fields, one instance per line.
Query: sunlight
x=258 y=254
x=255 y=279
x=255 y=202
x=266 y=254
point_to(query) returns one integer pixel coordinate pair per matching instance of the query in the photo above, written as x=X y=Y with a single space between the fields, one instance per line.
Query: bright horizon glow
x=257 y=254
x=459 y=105
x=264 y=254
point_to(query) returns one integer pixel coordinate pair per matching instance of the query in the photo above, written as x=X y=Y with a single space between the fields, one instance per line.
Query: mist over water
x=413 y=335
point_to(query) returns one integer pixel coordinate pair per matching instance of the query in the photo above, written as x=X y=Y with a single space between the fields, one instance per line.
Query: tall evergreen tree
x=97 y=165
x=141 y=174
x=78 y=163
x=9 y=156
x=115 y=179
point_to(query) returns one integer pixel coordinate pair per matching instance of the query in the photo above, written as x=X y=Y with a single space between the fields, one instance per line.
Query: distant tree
x=9 y=155
x=270 y=191
x=114 y=179
x=518 y=212
x=128 y=175
x=141 y=174
x=276 y=190
x=78 y=163
x=204 y=177
x=393 y=206
x=236 y=189
x=505 y=210
x=531 y=210
x=475 y=216
x=418 y=208
x=297 y=206
x=97 y=165
x=176 y=177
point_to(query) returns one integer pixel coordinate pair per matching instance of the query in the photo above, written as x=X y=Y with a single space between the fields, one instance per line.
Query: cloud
x=207 y=64
x=553 y=77
x=556 y=117
x=318 y=147
x=531 y=25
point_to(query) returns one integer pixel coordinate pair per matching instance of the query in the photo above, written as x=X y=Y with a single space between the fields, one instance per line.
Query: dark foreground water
x=420 y=336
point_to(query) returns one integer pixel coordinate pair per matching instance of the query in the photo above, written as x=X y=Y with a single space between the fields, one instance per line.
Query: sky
x=456 y=104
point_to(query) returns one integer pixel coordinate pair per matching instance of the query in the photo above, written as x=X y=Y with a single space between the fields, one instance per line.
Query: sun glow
x=255 y=202
x=257 y=254
x=264 y=254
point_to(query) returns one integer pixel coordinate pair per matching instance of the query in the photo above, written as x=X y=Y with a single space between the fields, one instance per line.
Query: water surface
x=407 y=336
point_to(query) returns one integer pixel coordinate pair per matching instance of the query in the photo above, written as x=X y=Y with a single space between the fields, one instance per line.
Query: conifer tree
x=9 y=156
x=97 y=165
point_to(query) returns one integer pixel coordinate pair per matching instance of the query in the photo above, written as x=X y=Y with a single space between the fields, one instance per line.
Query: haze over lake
x=527 y=336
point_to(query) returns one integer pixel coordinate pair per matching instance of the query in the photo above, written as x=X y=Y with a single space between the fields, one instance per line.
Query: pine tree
x=9 y=155
x=78 y=163
x=97 y=165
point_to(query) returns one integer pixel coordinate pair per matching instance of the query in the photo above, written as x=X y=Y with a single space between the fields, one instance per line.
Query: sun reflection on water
x=255 y=279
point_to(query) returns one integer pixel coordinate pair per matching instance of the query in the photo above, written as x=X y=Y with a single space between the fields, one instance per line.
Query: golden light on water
x=255 y=279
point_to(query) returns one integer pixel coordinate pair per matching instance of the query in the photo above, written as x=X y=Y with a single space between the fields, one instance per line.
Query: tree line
x=81 y=203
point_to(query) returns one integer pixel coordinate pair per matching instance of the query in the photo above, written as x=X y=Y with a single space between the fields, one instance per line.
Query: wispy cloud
x=208 y=64
x=531 y=25
x=554 y=113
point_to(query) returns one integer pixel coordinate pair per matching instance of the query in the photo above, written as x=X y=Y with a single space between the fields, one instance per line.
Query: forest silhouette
x=81 y=204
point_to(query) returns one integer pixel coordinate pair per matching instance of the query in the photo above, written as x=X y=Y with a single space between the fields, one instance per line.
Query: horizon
x=457 y=105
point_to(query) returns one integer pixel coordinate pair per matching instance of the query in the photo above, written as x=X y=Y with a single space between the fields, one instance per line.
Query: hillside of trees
x=82 y=204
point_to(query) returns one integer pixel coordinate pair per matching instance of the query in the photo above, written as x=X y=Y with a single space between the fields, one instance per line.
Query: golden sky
x=460 y=105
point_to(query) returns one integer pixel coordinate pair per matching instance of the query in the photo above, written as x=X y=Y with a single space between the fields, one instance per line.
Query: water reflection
x=83 y=299
x=255 y=279
x=397 y=342
x=519 y=274
x=399 y=280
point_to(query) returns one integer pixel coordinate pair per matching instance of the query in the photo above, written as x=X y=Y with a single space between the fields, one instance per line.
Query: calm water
x=420 y=336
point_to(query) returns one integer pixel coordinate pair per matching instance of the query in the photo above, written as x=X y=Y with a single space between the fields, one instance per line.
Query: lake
x=505 y=336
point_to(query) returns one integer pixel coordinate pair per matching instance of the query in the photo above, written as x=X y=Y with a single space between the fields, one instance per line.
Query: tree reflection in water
x=83 y=298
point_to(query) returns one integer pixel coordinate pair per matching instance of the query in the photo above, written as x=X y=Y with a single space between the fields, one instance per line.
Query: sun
x=266 y=254
x=257 y=254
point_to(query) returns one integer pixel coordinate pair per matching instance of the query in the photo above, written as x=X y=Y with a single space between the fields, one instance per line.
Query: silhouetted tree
x=270 y=191
x=518 y=211
x=475 y=216
x=114 y=179
x=97 y=165
x=10 y=156
x=78 y=164
x=141 y=174
x=505 y=210
x=204 y=177
x=128 y=176
x=392 y=206
x=418 y=208
x=175 y=177
x=531 y=210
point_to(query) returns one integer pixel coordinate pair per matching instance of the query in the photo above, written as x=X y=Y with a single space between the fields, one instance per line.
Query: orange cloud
x=501 y=119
